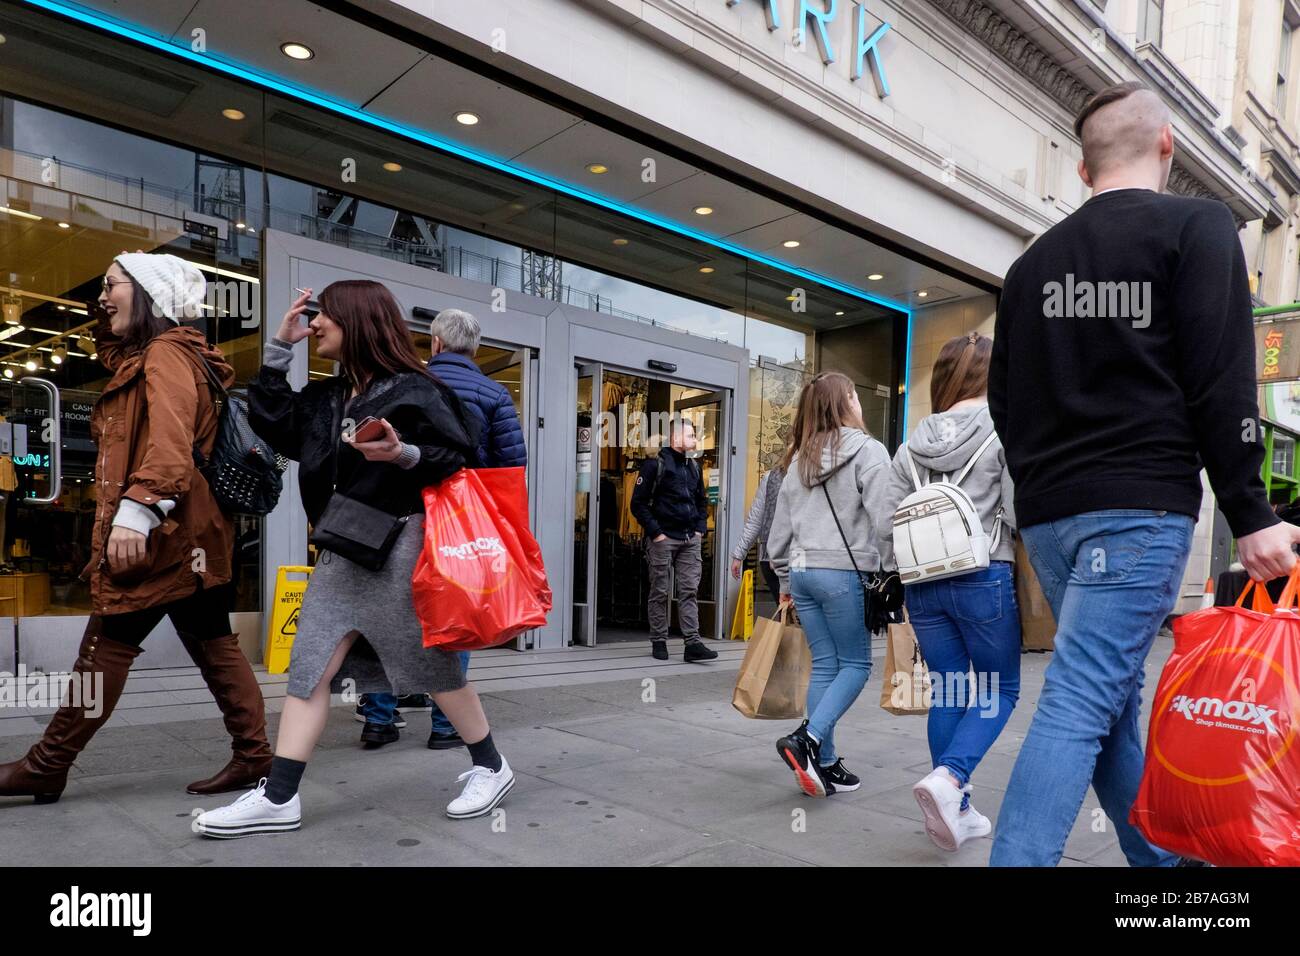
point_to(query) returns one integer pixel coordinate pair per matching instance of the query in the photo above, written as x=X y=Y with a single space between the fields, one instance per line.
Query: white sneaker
x=940 y=802
x=251 y=813
x=971 y=824
x=483 y=792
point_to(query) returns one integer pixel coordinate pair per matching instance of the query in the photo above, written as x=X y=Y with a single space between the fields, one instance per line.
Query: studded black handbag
x=245 y=475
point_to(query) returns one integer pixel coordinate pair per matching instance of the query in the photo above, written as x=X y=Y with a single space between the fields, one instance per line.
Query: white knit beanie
x=176 y=286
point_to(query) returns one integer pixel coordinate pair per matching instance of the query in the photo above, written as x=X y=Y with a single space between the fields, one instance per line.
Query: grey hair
x=458 y=330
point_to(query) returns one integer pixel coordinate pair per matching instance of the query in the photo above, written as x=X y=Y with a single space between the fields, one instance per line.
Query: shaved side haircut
x=1119 y=125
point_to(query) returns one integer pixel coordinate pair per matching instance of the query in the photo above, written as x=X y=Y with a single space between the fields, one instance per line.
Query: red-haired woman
x=356 y=624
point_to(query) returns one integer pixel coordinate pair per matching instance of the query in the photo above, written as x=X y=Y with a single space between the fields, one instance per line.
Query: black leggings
x=205 y=614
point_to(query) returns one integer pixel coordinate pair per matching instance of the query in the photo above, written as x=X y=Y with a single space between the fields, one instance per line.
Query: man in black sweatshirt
x=669 y=503
x=1123 y=362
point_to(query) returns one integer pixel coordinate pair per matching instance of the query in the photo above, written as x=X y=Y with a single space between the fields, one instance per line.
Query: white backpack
x=937 y=531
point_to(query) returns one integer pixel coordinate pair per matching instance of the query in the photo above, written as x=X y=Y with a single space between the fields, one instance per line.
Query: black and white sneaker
x=415 y=702
x=251 y=813
x=801 y=754
x=839 y=779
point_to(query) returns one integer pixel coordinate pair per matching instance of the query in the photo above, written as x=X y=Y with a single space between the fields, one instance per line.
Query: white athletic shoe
x=251 y=813
x=972 y=824
x=483 y=792
x=940 y=802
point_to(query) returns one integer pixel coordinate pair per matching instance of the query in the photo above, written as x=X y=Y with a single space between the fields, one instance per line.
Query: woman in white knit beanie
x=160 y=546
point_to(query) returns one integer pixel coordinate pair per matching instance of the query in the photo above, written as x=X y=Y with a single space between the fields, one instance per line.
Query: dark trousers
x=678 y=562
x=203 y=615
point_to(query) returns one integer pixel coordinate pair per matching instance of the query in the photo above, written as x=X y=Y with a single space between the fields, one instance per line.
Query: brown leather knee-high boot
x=43 y=773
x=230 y=677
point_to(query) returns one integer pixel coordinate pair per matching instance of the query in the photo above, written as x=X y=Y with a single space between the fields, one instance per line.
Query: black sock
x=484 y=753
x=283 y=782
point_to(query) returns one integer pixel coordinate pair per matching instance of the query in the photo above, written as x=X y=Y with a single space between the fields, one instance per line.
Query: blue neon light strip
x=316 y=99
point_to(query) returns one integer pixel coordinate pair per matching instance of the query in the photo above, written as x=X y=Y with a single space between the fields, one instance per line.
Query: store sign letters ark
x=821 y=14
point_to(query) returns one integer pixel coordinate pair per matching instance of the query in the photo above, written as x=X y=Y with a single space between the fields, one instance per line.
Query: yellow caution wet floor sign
x=284 y=618
x=742 y=623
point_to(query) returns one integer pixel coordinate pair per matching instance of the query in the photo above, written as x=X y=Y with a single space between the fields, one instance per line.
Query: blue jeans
x=830 y=606
x=960 y=622
x=381 y=708
x=1111 y=577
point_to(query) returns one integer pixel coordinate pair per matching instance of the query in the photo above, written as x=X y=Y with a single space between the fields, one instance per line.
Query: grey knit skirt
x=389 y=656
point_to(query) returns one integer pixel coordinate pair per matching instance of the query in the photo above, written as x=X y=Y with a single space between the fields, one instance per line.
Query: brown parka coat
x=156 y=410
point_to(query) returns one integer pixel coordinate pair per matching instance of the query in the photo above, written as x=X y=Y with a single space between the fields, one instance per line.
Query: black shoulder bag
x=363 y=534
x=883 y=604
x=243 y=471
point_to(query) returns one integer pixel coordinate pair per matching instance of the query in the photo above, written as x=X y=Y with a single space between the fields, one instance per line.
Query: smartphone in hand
x=368 y=429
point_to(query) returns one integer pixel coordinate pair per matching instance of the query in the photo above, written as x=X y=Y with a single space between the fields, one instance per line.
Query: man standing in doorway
x=1123 y=362
x=455 y=336
x=670 y=504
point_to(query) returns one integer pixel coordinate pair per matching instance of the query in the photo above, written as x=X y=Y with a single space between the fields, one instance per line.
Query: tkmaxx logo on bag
x=1242 y=713
x=472 y=549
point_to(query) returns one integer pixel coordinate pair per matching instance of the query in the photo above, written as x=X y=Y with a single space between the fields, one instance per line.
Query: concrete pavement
x=607 y=774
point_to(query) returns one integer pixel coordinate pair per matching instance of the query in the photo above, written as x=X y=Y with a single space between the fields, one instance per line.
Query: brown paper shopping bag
x=773 y=679
x=905 y=689
x=1037 y=625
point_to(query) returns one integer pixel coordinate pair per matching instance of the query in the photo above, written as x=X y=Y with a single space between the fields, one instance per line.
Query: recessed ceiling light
x=704 y=210
x=63 y=308
x=2 y=38
x=706 y=269
x=875 y=277
x=231 y=113
x=297 y=51
x=839 y=313
x=9 y=373
x=597 y=169
x=789 y=298
x=922 y=294
x=30 y=365
x=63 y=225
x=393 y=167
x=791 y=243
x=620 y=241
x=466 y=118
x=240 y=225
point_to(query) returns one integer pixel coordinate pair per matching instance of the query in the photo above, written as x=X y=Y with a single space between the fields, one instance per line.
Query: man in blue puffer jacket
x=455 y=337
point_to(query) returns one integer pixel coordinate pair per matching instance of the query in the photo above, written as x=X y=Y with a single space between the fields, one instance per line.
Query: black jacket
x=307 y=427
x=678 y=507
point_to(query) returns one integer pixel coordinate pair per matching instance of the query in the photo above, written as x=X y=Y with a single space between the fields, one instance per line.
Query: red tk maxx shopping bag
x=479 y=580
x=1222 y=776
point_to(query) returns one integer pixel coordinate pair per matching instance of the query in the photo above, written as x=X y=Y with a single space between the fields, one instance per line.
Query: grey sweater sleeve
x=874 y=478
x=780 y=537
x=899 y=487
x=278 y=354
x=753 y=521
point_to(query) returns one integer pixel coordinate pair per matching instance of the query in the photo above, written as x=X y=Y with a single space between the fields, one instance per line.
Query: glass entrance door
x=31 y=480
x=586 y=509
x=710 y=412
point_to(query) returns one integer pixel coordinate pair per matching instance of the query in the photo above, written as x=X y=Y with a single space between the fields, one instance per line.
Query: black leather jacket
x=307 y=427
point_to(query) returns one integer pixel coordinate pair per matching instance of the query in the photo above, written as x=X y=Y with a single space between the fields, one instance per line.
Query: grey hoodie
x=803 y=531
x=941 y=444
